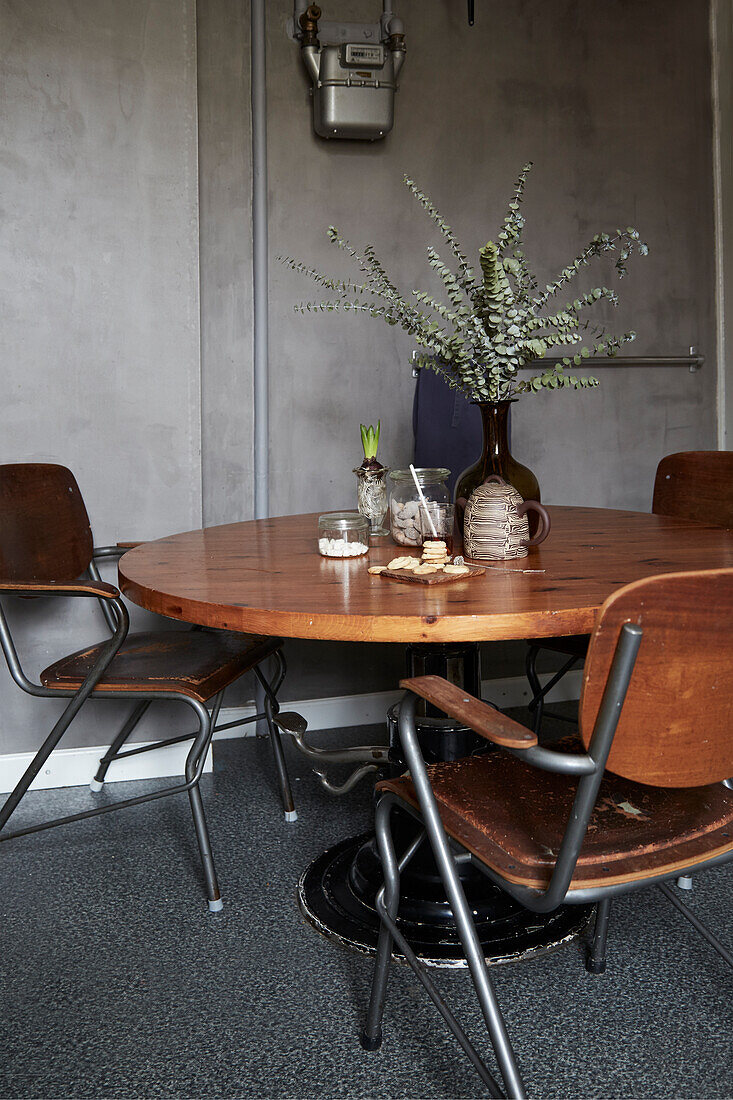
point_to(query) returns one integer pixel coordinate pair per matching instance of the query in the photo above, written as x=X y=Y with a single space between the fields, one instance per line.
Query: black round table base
x=335 y=902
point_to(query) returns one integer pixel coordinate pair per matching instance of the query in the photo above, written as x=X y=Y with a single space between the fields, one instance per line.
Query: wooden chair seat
x=195 y=662
x=513 y=817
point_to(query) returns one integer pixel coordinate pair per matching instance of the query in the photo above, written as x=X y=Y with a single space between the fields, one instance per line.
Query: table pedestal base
x=336 y=895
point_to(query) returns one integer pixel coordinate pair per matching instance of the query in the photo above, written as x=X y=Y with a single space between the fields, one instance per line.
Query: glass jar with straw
x=408 y=512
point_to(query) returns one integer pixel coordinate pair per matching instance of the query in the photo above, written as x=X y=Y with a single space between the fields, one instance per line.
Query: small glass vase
x=371 y=496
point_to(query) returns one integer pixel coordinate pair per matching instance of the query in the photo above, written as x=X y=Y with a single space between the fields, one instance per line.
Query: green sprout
x=370 y=440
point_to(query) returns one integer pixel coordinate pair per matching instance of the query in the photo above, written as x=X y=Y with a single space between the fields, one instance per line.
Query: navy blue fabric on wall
x=446 y=426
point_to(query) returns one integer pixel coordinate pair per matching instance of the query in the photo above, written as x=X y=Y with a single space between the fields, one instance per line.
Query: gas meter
x=354 y=80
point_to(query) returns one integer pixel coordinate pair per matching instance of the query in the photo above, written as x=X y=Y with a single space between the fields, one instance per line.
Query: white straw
x=424 y=502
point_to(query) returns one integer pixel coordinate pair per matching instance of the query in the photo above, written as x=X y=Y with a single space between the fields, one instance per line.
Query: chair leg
x=286 y=794
x=371 y=1036
x=537 y=702
x=595 y=962
x=271 y=708
x=13 y=800
x=194 y=767
x=701 y=928
x=97 y=783
x=387 y=904
x=541 y=691
x=459 y=906
x=479 y=972
x=207 y=858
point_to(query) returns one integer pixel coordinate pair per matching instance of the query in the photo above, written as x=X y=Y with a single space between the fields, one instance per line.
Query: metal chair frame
x=589 y=768
x=536 y=704
x=117 y=618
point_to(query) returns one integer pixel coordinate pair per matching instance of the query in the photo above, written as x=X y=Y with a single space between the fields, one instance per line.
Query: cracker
x=375 y=570
x=400 y=563
x=457 y=570
x=424 y=569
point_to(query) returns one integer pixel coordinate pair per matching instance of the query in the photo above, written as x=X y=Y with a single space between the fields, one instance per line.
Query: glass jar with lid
x=404 y=501
x=343 y=534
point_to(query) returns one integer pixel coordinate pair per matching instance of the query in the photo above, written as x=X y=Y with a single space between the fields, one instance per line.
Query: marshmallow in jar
x=404 y=501
x=343 y=535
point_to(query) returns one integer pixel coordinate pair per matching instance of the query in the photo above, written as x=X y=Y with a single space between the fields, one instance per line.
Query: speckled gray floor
x=116 y=982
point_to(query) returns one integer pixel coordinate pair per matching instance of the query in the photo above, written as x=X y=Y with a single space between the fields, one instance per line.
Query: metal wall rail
x=692 y=362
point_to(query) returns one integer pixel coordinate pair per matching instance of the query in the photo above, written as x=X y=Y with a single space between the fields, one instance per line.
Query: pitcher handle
x=545 y=523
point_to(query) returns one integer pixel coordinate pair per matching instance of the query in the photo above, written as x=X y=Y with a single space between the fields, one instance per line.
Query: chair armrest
x=51 y=588
x=481 y=717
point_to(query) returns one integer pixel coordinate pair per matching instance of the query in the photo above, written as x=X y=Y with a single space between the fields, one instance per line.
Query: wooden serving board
x=431 y=578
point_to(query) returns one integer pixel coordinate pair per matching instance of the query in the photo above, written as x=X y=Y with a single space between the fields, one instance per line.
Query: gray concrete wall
x=99 y=264
x=612 y=103
x=98 y=283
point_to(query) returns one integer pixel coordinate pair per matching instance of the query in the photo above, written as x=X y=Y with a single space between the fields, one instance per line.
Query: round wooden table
x=266 y=577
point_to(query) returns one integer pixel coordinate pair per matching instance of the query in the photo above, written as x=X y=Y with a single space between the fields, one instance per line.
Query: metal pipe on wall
x=261 y=432
x=259 y=260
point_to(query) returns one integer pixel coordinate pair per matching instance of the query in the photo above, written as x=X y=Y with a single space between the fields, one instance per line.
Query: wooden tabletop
x=267 y=577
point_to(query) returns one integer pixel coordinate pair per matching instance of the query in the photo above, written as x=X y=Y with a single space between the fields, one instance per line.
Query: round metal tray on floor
x=336 y=892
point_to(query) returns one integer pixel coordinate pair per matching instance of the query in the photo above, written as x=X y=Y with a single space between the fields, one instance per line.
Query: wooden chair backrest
x=44 y=526
x=676 y=726
x=696 y=485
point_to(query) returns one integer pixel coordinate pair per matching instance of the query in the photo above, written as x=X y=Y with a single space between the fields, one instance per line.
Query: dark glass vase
x=497 y=459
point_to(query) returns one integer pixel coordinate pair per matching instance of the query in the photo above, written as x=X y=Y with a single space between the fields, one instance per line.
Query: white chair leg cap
x=291 y=815
x=216 y=906
x=96 y=785
x=684 y=882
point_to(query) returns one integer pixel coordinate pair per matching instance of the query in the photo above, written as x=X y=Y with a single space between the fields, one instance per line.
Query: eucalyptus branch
x=339 y=286
x=466 y=273
x=494 y=322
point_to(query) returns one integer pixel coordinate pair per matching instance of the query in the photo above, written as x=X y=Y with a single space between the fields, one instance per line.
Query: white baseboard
x=75 y=767
x=339 y=711
x=370 y=709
